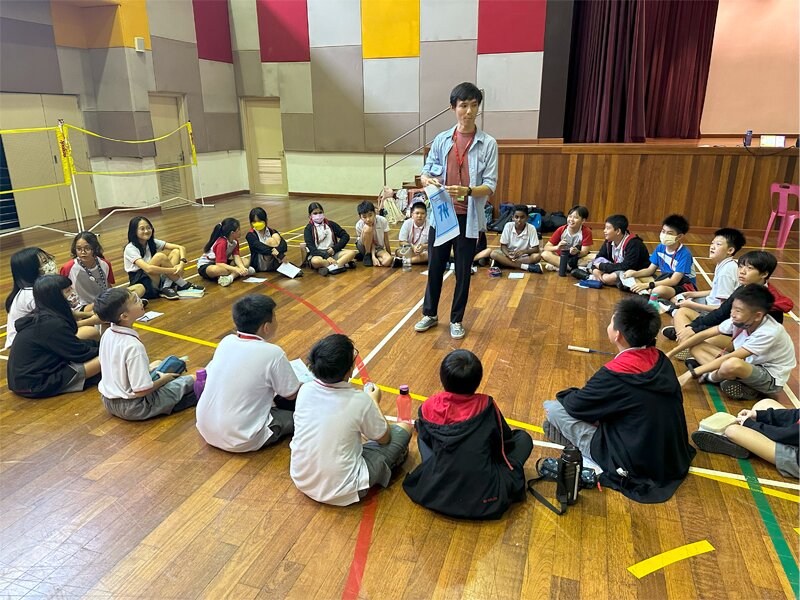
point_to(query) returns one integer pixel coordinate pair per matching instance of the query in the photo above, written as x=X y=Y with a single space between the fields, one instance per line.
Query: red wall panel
x=283 y=30
x=511 y=26
x=213 y=30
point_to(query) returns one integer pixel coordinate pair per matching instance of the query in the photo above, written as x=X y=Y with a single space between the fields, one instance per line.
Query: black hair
x=637 y=321
x=760 y=260
x=133 y=225
x=257 y=214
x=582 y=211
x=110 y=305
x=89 y=238
x=252 y=311
x=618 y=222
x=26 y=266
x=365 y=207
x=222 y=229
x=331 y=358
x=417 y=205
x=756 y=297
x=521 y=208
x=734 y=237
x=48 y=293
x=314 y=206
x=461 y=372
x=677 y=222
x=465 y=91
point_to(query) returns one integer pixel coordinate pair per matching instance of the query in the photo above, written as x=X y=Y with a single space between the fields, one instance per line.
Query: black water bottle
x=569 y=475
x=748 y=138
x=564 y=262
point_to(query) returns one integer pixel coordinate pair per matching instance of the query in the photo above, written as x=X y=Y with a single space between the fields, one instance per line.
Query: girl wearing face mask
x=267 y=247
x=27 y=265
x=49 y=357
x=325 y=243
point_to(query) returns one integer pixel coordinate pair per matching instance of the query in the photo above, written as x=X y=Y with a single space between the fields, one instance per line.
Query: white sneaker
x=251 y=271
x=550 y=267
x=225 y=280
x=426 y=323
x=457 y=331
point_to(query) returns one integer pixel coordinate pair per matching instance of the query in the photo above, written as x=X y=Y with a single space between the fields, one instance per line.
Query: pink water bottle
x=404 y=405
x=199 y=382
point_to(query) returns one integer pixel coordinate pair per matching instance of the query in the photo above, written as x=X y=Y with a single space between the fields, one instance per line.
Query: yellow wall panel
x=390 y=28
x=68 y=25
x=108 y=26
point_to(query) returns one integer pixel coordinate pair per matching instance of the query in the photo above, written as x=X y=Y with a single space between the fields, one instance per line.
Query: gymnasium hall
x=224 y=129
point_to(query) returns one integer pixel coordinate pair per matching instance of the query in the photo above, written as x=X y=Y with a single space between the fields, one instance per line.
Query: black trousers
x=463 y=249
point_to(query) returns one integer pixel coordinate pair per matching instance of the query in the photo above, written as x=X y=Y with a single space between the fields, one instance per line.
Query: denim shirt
x=482 y=160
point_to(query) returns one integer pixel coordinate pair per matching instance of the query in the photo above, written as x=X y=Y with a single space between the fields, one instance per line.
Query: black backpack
x=552 y=221
x=499 y=223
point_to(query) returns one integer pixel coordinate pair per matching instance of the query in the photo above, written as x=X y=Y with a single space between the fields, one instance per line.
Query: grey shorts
x=282 y=425
x=382 y=459
x=160 y=402
x=576 y=431
x=362 y=250
x=786 y=460
x=78 y=380
x=761 y=381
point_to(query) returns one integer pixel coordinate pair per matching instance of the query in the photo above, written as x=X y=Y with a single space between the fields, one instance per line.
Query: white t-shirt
x=329 y=420
x=770 y=344
x=131 y=254
x=21 y=306
x=324 y=237
x=527 y=239
x=124 y=366
x=241 y=383
x=379 y=228
x=411 y=234
x=726 y=279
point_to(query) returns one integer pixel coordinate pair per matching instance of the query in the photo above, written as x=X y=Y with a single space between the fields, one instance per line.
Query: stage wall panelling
x=390 y=28
x=213 y=29
x=511 y=26
x=283 y=30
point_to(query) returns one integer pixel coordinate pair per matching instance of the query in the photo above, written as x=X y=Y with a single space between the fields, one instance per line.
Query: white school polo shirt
x=379 y=228
x=22 y=305
x=726 y=279
x=329 y=420
x=527 y=239
x=770 y=344
x=124 y=366
x=242 y=380
x=411 y=234
x=131 y=254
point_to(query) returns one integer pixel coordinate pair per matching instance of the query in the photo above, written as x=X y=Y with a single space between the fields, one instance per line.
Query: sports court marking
x=659 y=561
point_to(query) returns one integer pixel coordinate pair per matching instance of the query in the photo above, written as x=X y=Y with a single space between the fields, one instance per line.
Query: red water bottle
x=404 y=405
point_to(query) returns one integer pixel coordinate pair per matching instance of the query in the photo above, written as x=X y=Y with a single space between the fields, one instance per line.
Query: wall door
x=166 y=114
x=266 y=162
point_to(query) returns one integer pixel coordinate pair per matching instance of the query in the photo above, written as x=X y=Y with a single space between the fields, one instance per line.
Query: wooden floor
x=98 y=507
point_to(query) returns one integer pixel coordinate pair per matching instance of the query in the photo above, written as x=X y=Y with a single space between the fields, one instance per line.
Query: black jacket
x=38 y=365
x=723 y=312
x=340 y=239
x=257 y=247
x=780 y=426
x=641 y=429
x=635 y=256
x=468 y=474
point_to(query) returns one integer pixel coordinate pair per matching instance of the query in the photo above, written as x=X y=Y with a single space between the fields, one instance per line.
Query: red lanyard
x=460 y=159
x=419 y=237
x=247 y=336
x=674 y=257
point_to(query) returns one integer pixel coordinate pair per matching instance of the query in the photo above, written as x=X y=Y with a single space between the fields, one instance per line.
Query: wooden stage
x=93 y=506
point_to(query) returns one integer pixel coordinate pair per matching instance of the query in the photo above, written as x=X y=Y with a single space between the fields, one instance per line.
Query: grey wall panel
x=76 y=76
x=172 y=19
x=29 y=58
x=442 y=66
x=223 y=131
x=382 y=128
x=120 y=77
x=176 y=66
x=555 y=70
x=512 y=125
x=33 y=11
x=193 y=104
x=298 y=131
x=247 y=73
x=124 y=125
x=338 y=98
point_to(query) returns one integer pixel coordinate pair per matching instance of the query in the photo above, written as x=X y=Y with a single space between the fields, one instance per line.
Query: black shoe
x=691 y=363
x=169 y=294
x=323 y=271
x=670 y=333
x=483 y=262
x=624 y=288
x=351 y=264
x=718 y=444
x=191 y=286
x=397 y=262
x=736 y=390
x=580 y=274
x=368 y=260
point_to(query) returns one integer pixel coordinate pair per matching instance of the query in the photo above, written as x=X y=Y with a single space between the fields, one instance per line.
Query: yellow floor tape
x=659 y=561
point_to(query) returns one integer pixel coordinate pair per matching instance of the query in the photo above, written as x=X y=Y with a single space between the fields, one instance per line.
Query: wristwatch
x=651 y=285
x=691 y=370
x=469 y=191
x=183 y=260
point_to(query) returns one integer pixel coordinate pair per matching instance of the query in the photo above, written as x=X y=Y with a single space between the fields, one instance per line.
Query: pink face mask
x=318 y=218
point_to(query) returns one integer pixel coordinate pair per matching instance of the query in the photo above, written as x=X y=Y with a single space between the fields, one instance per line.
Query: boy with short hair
x=329 y=464
x=414 y=232
x=574 y=237
x=629 y=417
x=126 y=386
x=472 y=462
x=672 y=259
x=237 y=411
x=372 y=236
x=519 y=243
x=761 y=352
x=621 y=251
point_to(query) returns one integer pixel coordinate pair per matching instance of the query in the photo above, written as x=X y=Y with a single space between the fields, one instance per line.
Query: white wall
x=346 y=172
x=124 y=190
x=220 y=173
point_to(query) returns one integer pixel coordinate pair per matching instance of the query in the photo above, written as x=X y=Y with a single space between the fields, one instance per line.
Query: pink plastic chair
x=784 y=190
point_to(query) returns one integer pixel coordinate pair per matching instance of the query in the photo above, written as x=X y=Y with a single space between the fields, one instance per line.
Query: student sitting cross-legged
x=372 y=236
x=126 y=387
x=758 y=358
x=414 y=234
x=329 y=463
x=519 y=243
x=574 y=238
x=629 y=416
x=472 y=462
x=236 y=410
x=621 y=251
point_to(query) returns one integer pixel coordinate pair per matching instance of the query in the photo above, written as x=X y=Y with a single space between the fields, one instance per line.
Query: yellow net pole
x=73 y=190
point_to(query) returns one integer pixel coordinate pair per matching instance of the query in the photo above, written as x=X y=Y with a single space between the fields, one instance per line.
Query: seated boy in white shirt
x=519 y=243
x=329 y=463
x=237 y=409
x=414 y=233
x=372 y=236
x=762 y=354
x=126 y=387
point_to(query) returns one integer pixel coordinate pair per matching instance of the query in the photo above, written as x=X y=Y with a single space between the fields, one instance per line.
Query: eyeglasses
x=83 y=249
x=355 y=352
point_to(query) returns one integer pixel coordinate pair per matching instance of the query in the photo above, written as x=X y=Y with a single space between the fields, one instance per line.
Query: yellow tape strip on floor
x=659 y=561
x=742 y=484
x=177 y=336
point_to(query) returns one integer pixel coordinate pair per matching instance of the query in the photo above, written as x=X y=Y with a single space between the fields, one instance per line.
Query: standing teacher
x=463 y=159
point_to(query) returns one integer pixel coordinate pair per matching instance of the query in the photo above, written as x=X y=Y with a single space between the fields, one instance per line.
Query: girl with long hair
x=267 y=247
x=27 y=265
x=325 y=243
x=221 y=261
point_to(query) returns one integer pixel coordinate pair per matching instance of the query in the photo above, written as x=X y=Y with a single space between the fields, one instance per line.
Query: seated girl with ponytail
x=325 y=243
x=267 y=247
x=221 y=261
